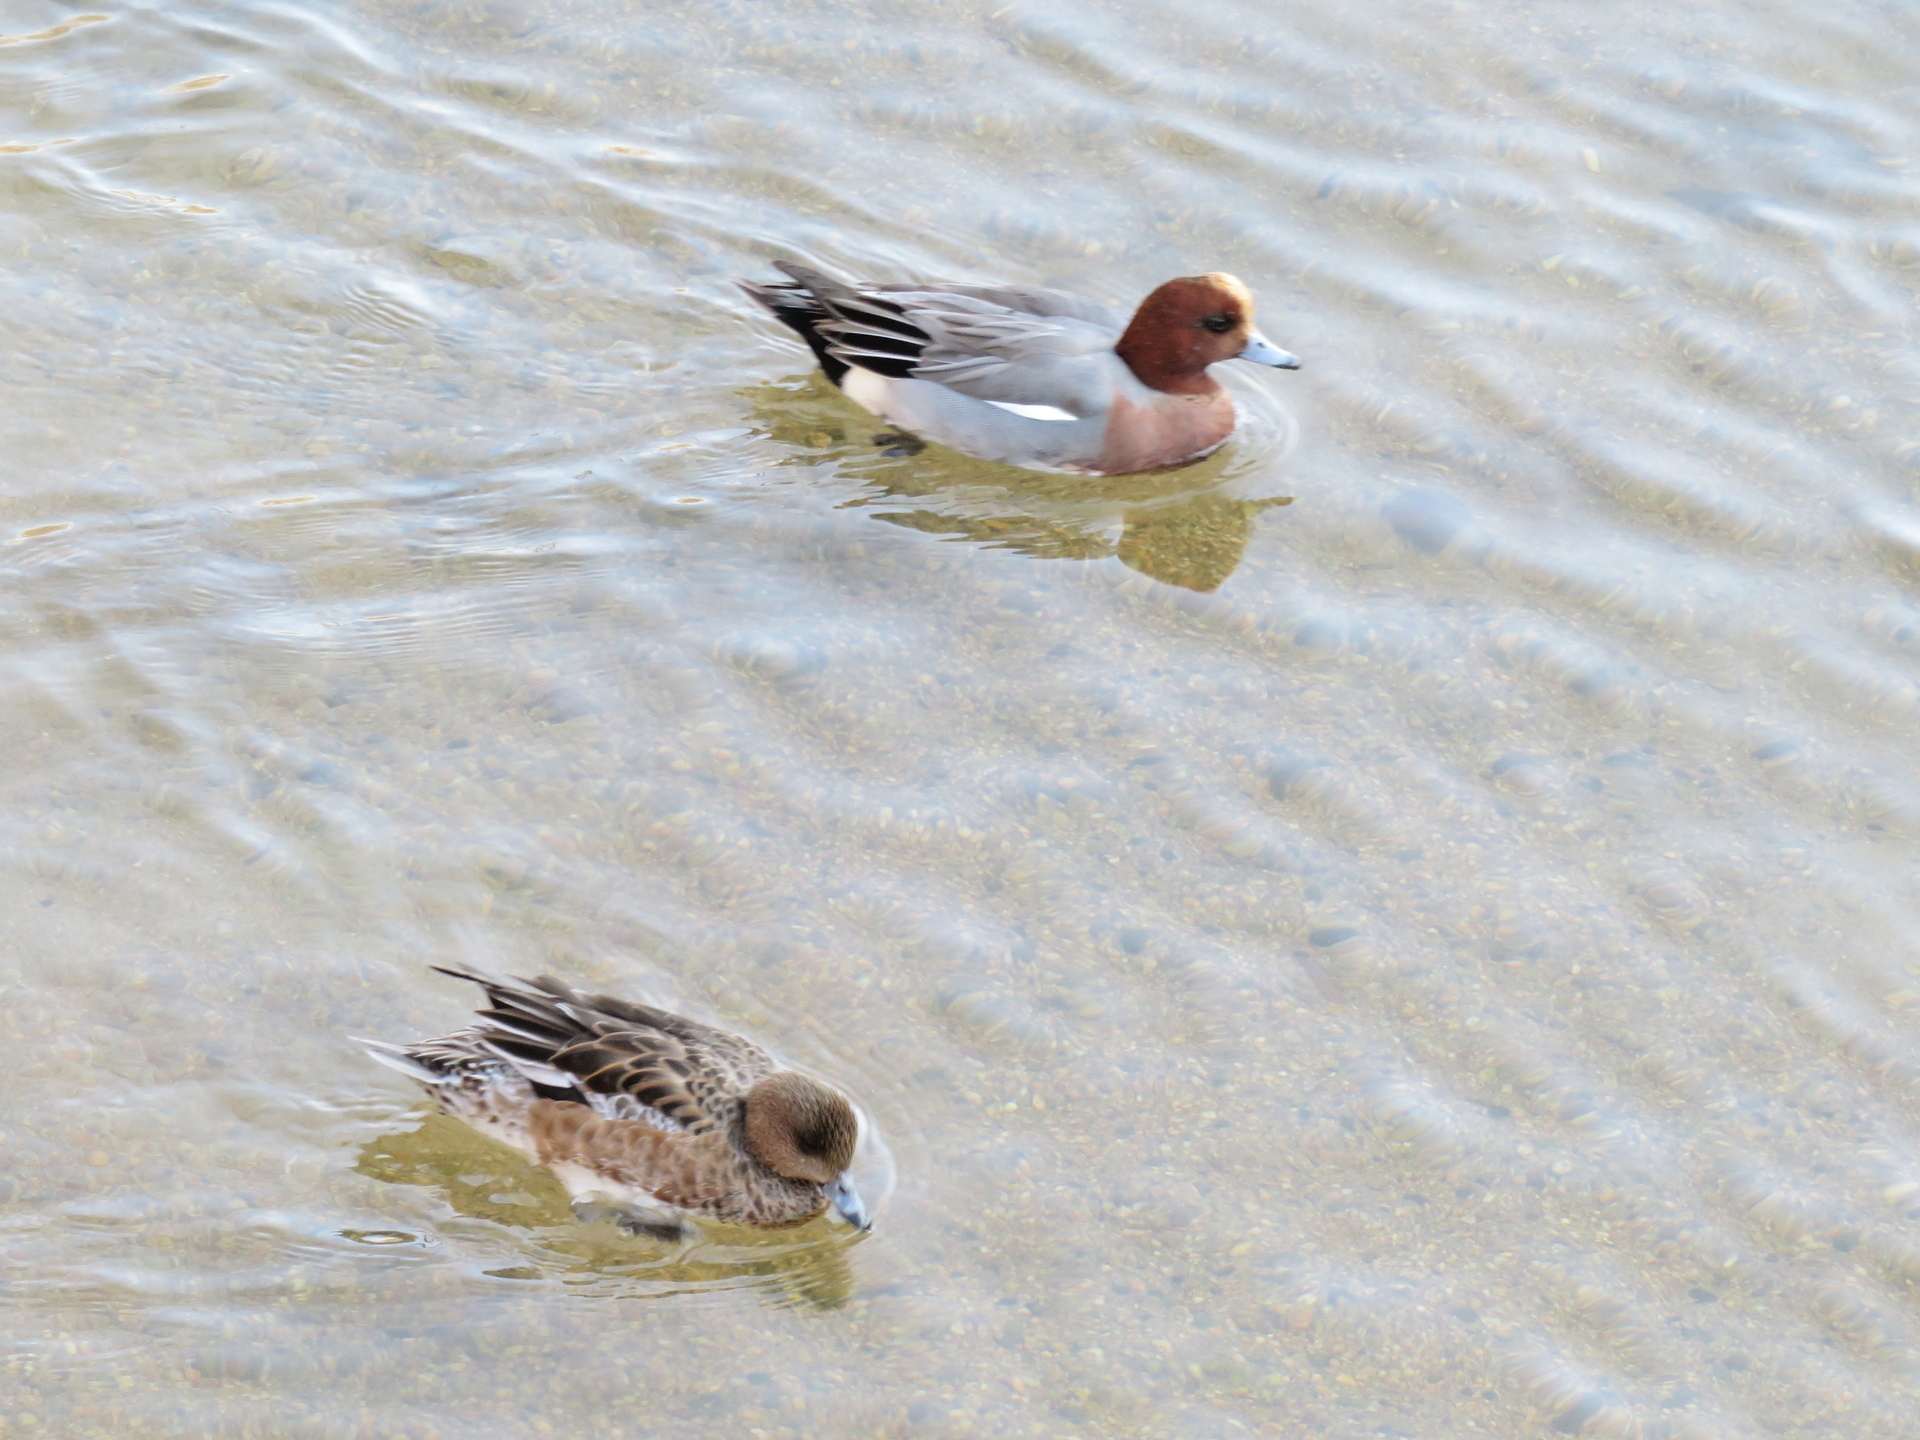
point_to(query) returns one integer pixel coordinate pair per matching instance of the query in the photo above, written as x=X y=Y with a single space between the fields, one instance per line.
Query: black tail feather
x=800 y=313
x=842 y=326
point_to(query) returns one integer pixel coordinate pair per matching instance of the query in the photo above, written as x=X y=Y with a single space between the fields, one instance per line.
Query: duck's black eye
x=1217 y=324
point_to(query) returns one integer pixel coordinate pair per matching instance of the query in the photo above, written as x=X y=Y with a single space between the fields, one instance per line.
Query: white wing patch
x=1034 y=412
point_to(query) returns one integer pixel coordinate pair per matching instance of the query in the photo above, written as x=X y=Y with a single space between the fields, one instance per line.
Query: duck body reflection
x=1187 y=526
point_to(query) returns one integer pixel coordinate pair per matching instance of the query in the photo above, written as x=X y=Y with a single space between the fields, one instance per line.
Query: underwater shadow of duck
x=805 y=1267
x=1177 y=526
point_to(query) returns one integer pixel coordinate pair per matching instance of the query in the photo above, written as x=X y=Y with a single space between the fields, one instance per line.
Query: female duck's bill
x=645 y=1117
x=1033 y=377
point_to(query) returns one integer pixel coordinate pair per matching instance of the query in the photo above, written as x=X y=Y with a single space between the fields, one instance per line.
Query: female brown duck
x=645 y=1117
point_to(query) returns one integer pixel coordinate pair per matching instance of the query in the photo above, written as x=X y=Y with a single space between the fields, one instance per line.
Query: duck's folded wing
x=651 y=1072
x=627 y=1061
x=1006 y=356
x=689 y=1072
x=1009 y=345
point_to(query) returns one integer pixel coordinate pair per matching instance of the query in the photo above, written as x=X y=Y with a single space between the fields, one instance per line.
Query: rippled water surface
x=1404 y=929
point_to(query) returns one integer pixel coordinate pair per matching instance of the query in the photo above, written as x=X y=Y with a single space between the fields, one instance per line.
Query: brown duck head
x=804 y=1130
x=1191 y=323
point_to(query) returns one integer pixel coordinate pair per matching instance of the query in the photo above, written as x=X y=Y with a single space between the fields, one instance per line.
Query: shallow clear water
x=1406 y=933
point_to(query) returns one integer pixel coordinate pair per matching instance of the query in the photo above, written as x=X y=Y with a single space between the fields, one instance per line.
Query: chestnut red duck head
x=1190 y=323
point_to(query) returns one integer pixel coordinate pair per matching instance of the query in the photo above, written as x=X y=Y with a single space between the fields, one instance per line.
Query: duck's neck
x=1162 y=359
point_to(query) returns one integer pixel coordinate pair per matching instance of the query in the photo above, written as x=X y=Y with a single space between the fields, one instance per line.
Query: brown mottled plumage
x=644 y=1116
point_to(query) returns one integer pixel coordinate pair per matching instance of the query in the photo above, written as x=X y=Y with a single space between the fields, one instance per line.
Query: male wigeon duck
x=1033 y=377
x=646 y=1118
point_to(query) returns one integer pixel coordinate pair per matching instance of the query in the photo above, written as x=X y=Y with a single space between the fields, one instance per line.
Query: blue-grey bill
x=1263 y=351
x=847 y=1204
